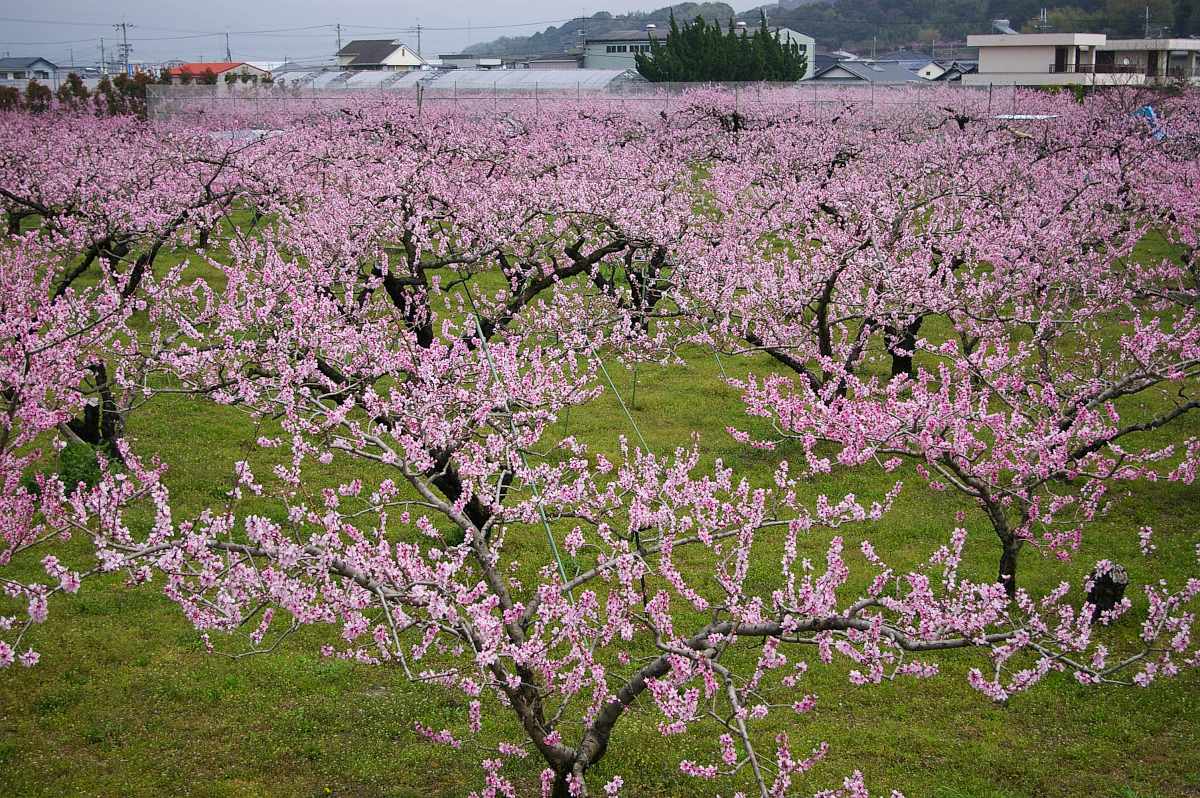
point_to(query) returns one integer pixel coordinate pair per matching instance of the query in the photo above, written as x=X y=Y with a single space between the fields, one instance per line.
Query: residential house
x=1082 y=59
x=863 y=72
x=619 y=49
x=21 y=68
x=197 y=70
x=946 y=70
x=385 y=54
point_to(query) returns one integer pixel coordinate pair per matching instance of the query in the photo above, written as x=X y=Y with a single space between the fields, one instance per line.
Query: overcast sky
x=267 y=30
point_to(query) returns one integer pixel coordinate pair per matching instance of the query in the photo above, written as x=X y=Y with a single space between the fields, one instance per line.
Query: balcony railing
x=1097 y=69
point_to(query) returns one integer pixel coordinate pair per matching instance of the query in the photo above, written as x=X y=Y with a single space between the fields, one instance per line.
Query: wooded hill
x=883 y=23
x=562 y=38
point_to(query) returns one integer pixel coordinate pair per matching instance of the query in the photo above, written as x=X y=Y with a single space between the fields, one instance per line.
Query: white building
x=385 y=54
x=1081 y=59
x=619 y=49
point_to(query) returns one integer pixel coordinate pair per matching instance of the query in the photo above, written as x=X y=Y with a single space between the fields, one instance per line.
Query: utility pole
x=125 y=48
x=418 y=40
x=339 y=36
x=228 y=55
x=103 y=63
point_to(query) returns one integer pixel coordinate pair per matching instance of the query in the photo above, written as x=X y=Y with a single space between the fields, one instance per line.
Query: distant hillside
x=891 y=23
x=560 y=39
x=884 y=24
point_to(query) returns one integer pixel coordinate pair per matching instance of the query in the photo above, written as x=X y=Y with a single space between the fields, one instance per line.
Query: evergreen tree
x=702 y=52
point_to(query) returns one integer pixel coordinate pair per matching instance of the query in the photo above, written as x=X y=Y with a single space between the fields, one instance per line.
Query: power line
x=470 y=27
x=125 y=47
x=203 y=34
x=87 y=24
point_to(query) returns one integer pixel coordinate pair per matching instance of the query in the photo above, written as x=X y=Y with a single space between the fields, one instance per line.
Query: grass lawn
x=126 y=702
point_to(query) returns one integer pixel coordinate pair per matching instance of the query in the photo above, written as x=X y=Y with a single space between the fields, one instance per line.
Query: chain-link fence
x=265 y=102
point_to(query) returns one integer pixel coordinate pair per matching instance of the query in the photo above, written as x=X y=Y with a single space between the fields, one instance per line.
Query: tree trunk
x=901 y=345
x=1008 y=564
x=102 y=423
x=902 y=364
x=561 y=788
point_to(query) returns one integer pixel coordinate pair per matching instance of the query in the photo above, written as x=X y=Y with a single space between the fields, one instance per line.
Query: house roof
x=23 y=62
x=868 y=71
x=367 y=52
x=629 y=36
x=197 y=68
x=904 y=55
x=956 y=70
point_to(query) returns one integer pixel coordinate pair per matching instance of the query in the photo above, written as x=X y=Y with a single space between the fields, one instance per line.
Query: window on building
x=612 y=48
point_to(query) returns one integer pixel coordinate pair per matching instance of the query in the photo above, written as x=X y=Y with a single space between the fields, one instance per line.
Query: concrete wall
x=1015 y=59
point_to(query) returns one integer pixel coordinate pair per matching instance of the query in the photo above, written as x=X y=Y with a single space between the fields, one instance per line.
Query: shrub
x=77 y=463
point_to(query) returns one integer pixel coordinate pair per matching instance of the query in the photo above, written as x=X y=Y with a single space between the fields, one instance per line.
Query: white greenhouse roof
x=531 y=79
x=326 y=79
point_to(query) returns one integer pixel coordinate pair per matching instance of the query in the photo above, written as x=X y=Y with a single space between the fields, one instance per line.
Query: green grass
x=127 y=703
